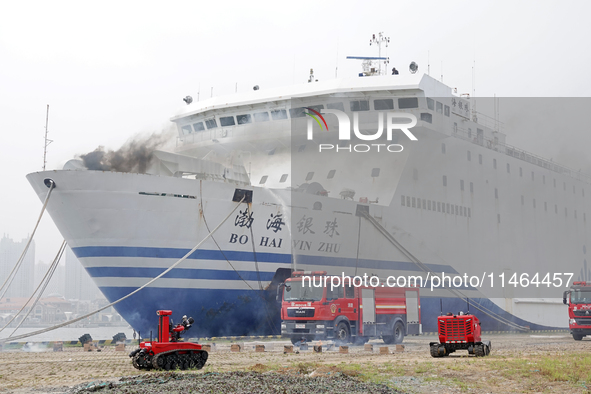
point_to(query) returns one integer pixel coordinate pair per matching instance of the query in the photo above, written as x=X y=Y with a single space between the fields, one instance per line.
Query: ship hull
x=128 y=228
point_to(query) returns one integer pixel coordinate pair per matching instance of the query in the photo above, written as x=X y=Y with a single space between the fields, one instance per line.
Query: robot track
x=181 y=358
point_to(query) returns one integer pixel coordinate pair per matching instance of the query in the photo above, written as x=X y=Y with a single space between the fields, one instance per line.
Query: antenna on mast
x=47 y=141
x=379 y=40
x=496 y=113
x=368 y=62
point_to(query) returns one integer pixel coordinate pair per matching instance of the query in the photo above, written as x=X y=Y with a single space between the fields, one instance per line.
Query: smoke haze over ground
x=134 y=156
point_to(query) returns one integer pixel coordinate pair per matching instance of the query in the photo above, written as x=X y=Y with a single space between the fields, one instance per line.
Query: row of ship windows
x=497 y=196
x=480 y=161
x=375 y=172
x=281 y=114
x=555 y=208
x=421 y=203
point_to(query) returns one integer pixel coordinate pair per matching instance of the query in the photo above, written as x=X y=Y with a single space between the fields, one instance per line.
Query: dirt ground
x=518 y=363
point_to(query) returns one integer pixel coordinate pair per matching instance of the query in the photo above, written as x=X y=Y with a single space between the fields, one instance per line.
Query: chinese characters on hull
x=331 y=228
x=304 y=226
x=245 y=219
x=276 y=222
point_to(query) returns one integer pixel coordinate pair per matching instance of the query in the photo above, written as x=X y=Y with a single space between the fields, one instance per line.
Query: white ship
x=458 y=200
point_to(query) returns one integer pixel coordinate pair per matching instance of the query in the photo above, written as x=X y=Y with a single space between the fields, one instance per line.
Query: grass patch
x=573 y=368
x=259 y=368
x=460 y=383
x=304 y=368
x=424 y=367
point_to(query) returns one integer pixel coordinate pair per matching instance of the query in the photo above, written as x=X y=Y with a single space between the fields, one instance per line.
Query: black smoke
x=134 y=156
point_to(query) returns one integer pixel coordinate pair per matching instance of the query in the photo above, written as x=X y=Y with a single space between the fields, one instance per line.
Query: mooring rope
x=2 y=340
x=48 y=275
x=20 y=260
x=426 y=269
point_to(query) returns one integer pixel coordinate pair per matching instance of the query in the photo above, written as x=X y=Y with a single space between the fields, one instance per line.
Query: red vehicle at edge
x=347 y=313
x=578 y=299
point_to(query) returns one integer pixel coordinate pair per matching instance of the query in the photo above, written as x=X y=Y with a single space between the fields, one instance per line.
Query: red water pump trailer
x=459 y=332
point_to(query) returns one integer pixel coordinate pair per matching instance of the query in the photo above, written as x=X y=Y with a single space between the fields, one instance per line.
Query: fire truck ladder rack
x=426 y=269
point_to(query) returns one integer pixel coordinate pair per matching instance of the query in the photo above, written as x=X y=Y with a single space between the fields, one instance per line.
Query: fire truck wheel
x=342 y=333
x=577 y=337
x=398 y=332
x=398 y=336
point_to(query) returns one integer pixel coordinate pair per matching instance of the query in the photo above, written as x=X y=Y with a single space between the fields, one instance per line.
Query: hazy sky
x=110 y=70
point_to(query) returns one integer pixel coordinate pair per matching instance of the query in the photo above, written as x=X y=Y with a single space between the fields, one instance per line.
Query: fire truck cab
x=578 y=299
x=346 y=313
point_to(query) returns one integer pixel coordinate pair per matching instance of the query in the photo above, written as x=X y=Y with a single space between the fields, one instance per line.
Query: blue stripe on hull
x=221 y=312
x=261 y=257
x=247 y=312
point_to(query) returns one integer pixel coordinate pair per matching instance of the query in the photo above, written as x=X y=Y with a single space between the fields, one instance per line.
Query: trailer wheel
x=577 y=337
x=438 y=350
x=480 y=350
x=434 y=349
x=342 y=333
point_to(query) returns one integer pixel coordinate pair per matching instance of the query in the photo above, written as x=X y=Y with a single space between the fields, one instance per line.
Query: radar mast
x=369 y=63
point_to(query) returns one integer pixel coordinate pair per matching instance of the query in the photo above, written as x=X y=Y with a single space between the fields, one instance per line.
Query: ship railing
x=488 y=122
x=520 y=154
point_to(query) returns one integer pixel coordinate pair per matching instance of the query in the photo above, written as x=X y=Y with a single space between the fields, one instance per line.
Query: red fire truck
x=578 y=299
x=347 y=313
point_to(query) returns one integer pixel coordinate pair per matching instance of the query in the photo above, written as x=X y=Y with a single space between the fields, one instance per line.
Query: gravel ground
x=233 y=382
x=512 y=367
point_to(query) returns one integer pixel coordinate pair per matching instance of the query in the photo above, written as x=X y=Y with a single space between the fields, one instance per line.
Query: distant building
x=56 y=285
x=52 y=309
x=10 y=251
x=78 y=284
x=47 y=310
